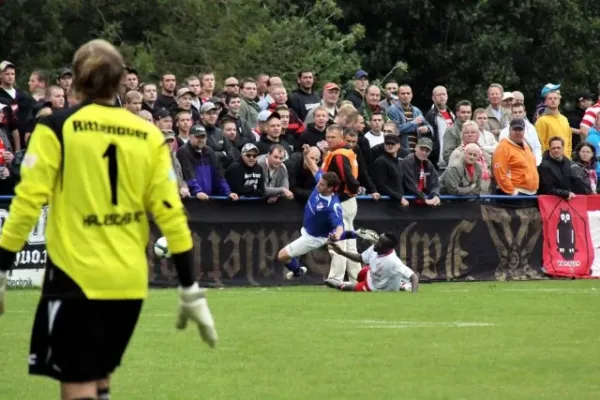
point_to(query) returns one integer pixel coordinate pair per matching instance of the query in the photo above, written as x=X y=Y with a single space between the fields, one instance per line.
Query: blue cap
x=550 y=87
x=360 y=74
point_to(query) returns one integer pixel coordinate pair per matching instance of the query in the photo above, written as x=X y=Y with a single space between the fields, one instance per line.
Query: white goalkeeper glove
x=3 y=279
x=193 y=306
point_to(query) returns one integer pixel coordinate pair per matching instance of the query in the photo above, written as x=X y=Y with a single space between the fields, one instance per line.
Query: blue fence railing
x=442 y=197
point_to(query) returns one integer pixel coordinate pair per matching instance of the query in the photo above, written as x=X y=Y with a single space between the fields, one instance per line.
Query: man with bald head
x=272 y=83
x=519 y=97
x=301 y=180
x=146 y=116
x=441 y=119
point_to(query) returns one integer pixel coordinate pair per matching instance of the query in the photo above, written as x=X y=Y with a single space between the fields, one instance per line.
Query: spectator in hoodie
x=276 y=174
x=331 y=95
x=272 y=133
x=441 y=119
x=391 y=95
x=280 y=98
x=183 y=122
x=201 y=169
x=288 y=135
x=375 y=135
x=225 y=152
x=184 y=103
x=184 y=191
x=357 y=94
x=245 y=176
x=584 y=169
x=314 y=135
x=301 y=180
x=249 y=109
x=133 y=102
x=412 y=125
x=387 y=172
x=229 y=128
x=149 y=95
x=371 y=104
x=304 y=99
x=420 y=176
x=531 y=136
x=244 y=133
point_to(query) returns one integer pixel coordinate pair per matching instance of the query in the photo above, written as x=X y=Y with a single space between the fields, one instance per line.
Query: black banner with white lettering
x=236 y=243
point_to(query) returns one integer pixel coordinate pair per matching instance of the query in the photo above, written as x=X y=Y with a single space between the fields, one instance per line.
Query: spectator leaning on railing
x=275 y=171
x=556 y=177
x=463 y=177
x=246 y=177
x=301 y=179
x=420 y=177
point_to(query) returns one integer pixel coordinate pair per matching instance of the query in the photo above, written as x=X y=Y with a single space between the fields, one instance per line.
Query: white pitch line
x=419 y=324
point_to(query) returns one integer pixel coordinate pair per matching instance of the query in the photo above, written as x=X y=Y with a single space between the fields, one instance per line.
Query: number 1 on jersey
x=113 y=171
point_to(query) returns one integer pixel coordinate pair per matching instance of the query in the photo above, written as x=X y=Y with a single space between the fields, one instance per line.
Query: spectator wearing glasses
x=245 y=176
x=276 y=174
x=201 y=169
x=420 y=176
x=231 y=86
x=387 y=171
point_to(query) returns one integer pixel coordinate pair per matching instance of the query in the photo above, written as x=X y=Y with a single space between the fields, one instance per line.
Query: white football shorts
x=304 y=244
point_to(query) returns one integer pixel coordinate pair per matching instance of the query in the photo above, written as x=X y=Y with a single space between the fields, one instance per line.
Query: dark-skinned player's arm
x=350 y=256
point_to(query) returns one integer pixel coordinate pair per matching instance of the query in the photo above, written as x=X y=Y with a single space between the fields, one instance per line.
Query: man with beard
x=303 y=99
x=216 y=141
x=201 y=170
x=246 y=177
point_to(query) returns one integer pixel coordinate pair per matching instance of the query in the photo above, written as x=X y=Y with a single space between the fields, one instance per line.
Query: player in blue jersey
x=322 y=219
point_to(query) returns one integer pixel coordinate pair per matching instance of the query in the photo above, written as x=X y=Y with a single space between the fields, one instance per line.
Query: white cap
x=508 y=95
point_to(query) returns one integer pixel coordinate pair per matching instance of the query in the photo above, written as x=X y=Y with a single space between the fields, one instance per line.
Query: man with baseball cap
x=64 y=78
x=552 y=123
x=387 y=171
x=331 y=96
x=225 y=151
x=514 y=164
x=201 y=169
x=420 y=177
x=357 y=94
x=245 y=176
x=184 y=99
x=583 y=101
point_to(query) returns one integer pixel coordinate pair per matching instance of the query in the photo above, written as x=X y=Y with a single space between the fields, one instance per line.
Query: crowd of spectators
x=251 y=137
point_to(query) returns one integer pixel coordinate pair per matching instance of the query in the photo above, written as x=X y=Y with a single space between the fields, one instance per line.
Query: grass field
x=522 y=340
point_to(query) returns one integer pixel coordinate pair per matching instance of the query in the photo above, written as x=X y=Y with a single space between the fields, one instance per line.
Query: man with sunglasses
x=246 y=177
x=231 y=86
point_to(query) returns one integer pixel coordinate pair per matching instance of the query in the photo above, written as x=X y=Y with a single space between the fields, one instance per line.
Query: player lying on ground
x=385 y=270
x=322 y=216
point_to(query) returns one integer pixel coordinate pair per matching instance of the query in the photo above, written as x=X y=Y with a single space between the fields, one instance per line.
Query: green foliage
x=230 y=37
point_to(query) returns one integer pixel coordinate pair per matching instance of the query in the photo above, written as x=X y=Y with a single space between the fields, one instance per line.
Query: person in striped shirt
x=589 y=118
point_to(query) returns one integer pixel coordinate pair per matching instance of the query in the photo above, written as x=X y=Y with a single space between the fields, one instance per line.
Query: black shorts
x=75 y=339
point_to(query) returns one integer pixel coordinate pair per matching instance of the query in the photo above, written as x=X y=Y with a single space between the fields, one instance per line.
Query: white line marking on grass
x=378 y=324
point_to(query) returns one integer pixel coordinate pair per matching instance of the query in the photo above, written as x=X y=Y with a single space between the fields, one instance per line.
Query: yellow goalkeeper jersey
x=100 y=169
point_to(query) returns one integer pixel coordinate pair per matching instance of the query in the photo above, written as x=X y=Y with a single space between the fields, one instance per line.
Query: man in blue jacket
x=201 y=169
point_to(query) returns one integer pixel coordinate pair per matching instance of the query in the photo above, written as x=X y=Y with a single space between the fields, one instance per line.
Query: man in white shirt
x=384 y=271
x=531 y=135
x=375 y=135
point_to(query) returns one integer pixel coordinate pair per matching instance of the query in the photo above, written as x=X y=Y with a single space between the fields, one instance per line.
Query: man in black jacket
x=441 y=118
x=420 y=176
x=555 y=171
x=387 y=172
x=216 y=141
x=303 y=99
x=301 y=179
x=246 y=177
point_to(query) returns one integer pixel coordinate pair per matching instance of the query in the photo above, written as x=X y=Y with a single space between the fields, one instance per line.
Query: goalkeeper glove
x=193 y=306
x=3 y=279
x=367 y=234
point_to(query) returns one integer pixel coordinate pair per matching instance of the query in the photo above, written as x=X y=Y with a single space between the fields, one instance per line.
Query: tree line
x=463 y=44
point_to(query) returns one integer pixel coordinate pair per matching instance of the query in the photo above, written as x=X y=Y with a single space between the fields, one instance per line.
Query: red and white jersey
x=591 y=113
x=387 y=270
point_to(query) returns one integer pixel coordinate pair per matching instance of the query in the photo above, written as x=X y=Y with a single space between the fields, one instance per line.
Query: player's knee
x=283 y=255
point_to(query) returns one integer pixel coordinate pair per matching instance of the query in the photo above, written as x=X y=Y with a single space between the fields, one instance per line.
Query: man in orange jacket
x=341 y=159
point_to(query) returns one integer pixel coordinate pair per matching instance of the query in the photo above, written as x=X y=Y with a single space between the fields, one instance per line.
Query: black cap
x=198 y=130
x=517 y=123
x=64 y=71
x=131 y=70
x=162 y=113
x=391 y=139
x=583 y=96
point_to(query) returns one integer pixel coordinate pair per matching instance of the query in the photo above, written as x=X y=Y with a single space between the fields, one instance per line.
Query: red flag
x=568 y=249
